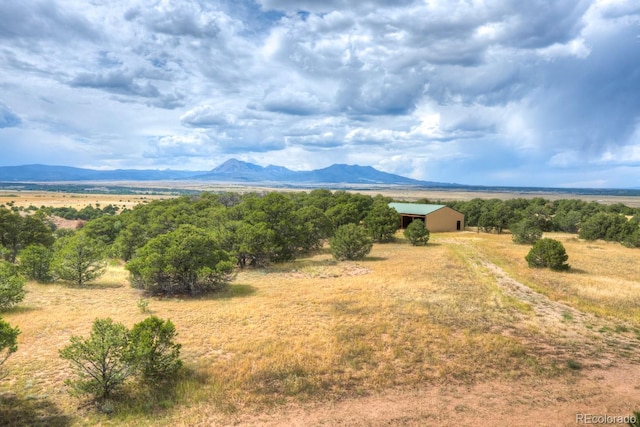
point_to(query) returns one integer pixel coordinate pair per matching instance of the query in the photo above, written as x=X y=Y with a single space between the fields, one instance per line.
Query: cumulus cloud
x=179 y=147
x=204 y=116
x=484 y=92
x=119 y=81
x=32 y=20
x=313 y=142
x=179 y=18
x=292 y=101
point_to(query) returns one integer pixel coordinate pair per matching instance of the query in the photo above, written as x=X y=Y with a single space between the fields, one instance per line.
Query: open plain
x=459 y=332
x=147 y=191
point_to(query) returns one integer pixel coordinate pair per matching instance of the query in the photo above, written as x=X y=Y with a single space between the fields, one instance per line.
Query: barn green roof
x=415 y=208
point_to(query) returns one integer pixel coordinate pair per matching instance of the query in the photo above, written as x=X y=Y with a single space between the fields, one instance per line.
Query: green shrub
x=8 y=341
x=381 y=222
x=605 y=226
x=350 y=242
x=632 y=240
x=153 y=350
x=78 y=259
x=525 y=232
x=185 y=261
x=417 y=232
x=11 y=286
x=102 y=362
x=35 y=263
x=548 y=253
x=112 y=354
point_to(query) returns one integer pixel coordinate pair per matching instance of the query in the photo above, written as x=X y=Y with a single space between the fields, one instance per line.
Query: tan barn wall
x=445 y=219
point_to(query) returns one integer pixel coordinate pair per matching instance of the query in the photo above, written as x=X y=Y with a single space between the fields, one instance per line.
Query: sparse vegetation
x=11 y=286
x=350 y=242
x=417 y=233
x=8 y=342
x=104 y=361
x=143 y=305
x=305 y=328
x=548 y=253
x=78 y=259
x=187 y=261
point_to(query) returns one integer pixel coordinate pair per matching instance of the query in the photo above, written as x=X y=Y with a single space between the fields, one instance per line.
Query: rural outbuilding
x=436 y=217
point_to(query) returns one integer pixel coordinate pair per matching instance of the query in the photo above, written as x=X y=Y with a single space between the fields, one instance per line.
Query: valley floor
x=460 y=332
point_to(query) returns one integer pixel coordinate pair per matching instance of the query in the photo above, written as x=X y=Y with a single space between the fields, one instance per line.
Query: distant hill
x=230 y=171
x=239 y=171
x=334 y=176
x=46 y=173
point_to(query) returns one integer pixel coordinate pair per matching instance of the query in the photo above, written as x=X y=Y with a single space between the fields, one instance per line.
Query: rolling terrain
x=459 y=331
x=236 y=175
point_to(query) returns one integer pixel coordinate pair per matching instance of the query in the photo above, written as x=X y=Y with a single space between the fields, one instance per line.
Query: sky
x=479 y=92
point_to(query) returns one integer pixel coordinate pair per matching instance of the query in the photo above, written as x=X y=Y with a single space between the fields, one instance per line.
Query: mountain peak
x=233 y=170
x=235 y=166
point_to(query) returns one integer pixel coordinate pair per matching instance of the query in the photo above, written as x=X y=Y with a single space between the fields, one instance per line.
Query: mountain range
x=232 y=170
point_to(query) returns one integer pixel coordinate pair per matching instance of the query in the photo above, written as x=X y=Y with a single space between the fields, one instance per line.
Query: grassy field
x=78 y=201
x=25 y=199
x=462 y=311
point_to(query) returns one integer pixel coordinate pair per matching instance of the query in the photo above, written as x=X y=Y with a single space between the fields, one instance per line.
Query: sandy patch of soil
x=569 y=332
x=331 y=271
x=72 y=224
x=613 y=392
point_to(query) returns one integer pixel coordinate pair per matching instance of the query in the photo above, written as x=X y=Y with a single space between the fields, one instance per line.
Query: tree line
x=190 y=244
x=590 y=220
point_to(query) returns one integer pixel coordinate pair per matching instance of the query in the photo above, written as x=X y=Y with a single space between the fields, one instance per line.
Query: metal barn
x=436 y=217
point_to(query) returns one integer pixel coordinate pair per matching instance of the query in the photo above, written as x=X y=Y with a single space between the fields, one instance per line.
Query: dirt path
x=568 y=332
x=606 y=380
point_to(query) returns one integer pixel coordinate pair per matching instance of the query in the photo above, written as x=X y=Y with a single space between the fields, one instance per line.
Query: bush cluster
x=8 y=341
x=350 y=242
x=112 y=354
x=184 y=261
x=417 y=233
x=11 y=286
x=592 y=220
x=525 y=232
x=548 y=253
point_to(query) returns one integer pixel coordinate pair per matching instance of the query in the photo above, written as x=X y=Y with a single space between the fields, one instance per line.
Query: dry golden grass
x=25 y=199
x=603 y=278
x=78 y=201
x=318 y=330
